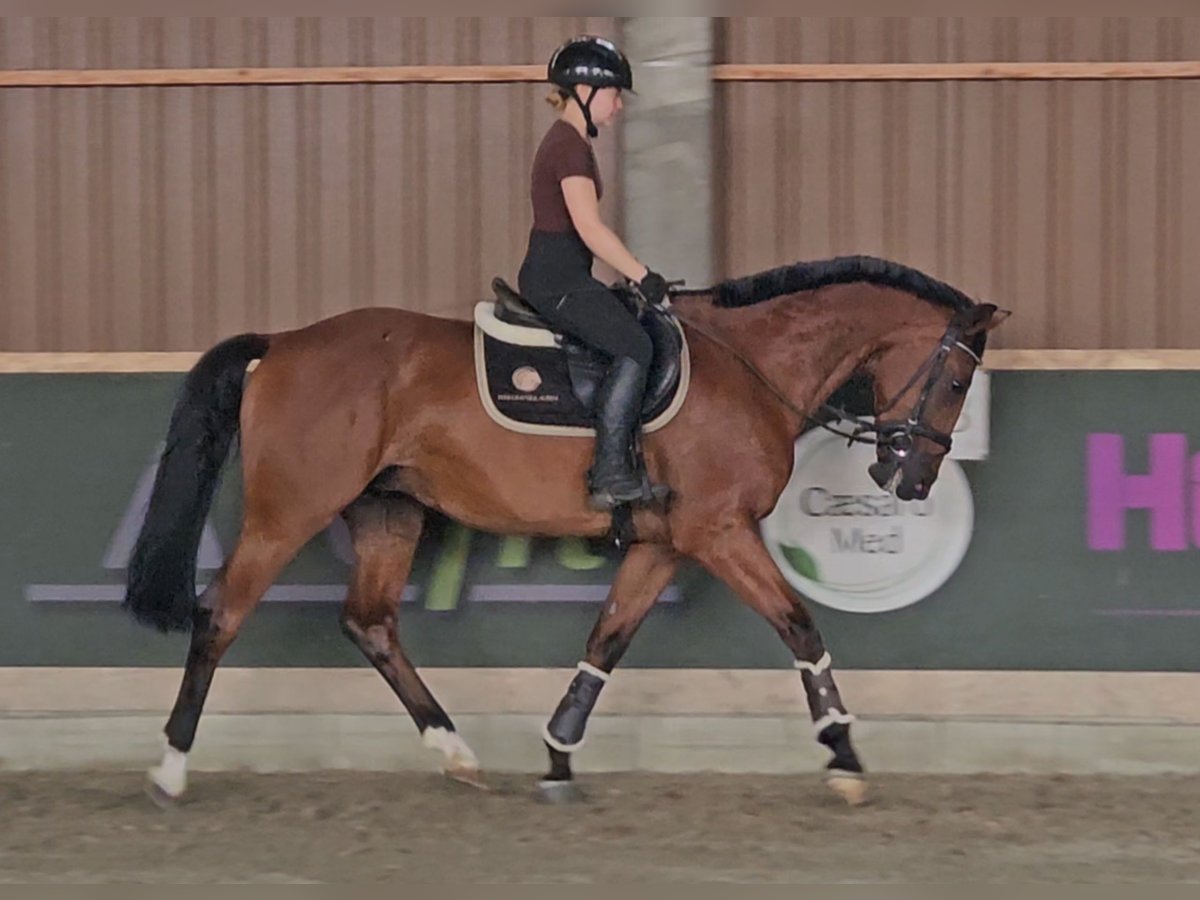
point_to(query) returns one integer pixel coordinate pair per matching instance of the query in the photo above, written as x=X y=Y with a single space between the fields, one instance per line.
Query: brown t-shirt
x=564 y=152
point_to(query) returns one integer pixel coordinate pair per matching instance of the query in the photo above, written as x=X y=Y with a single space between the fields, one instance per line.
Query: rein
x=897 y=436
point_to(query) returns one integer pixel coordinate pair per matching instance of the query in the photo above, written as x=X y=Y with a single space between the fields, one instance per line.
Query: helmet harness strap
x=587 y=109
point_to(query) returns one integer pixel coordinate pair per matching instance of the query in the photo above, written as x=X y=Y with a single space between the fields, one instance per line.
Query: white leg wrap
x=592 y=670
x=171 y=775
x=815 y=668
x=557 y=744
x=453 y=747
x=834 y=716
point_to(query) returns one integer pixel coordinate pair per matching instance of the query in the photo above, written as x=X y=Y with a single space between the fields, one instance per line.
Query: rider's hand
x=653 y=287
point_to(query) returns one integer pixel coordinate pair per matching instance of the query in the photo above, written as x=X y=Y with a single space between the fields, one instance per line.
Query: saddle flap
x=667 y=338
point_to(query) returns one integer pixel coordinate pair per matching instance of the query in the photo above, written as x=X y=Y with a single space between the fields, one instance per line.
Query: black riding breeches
x=556 y=281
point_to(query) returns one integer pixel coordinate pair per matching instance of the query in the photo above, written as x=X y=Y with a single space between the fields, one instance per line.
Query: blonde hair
x=558 y=99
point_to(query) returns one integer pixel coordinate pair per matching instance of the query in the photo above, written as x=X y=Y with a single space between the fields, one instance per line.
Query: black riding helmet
x=591 y=61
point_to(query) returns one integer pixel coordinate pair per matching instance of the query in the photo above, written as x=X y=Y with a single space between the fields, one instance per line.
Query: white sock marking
x=171 y=774
x=454 y=748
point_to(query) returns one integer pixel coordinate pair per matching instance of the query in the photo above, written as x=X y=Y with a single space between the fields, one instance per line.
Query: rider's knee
x=640 y=349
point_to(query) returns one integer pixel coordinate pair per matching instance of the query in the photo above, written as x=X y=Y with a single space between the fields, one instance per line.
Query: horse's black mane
x=808 y=276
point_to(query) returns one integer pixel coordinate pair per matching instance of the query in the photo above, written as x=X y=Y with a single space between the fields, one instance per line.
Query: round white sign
x=844 y=542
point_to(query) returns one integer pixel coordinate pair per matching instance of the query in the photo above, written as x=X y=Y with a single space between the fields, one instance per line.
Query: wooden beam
x=992 y=71
x=269 y=76
x=1093 y=360
x=83 y=363
x=1079 y=696
x=996 y=360
x=768 y=72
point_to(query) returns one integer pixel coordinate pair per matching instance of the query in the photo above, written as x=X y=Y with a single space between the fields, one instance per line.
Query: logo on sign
x=464 y=566
x=840 y=540
x=1168 y=490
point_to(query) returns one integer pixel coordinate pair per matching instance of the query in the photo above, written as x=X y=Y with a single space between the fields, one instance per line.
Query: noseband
x=898 y=436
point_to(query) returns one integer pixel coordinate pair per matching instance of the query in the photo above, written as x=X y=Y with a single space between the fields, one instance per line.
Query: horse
x=374 y=415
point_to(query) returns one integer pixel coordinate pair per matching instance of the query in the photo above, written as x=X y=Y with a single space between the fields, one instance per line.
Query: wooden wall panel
x=1072 y=203
x=166 y=218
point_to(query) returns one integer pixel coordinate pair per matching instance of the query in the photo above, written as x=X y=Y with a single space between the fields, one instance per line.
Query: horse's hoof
x=559 y=793
x=472 y=777
x=160 y=797
x=850 y=786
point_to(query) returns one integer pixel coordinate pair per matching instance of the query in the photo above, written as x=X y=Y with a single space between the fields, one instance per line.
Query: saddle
x=536 y=380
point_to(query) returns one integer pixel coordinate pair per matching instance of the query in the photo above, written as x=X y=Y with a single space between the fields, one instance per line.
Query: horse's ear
x=984 y=317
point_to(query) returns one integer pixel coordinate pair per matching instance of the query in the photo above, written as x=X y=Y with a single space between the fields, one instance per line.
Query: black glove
x=653 y=288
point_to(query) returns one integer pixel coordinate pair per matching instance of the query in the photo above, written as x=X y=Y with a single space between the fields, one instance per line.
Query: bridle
x=897 y=437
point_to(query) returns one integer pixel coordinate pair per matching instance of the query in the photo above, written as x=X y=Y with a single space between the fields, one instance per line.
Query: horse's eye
x=958 y=387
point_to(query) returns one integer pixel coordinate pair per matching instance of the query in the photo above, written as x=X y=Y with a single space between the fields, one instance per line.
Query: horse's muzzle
x=886 y=474
x=891 y=477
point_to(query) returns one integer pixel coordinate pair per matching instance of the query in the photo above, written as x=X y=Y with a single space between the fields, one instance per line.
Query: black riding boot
x=612 y=478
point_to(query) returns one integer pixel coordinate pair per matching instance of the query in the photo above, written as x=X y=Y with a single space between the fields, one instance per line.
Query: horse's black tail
x=161 y=590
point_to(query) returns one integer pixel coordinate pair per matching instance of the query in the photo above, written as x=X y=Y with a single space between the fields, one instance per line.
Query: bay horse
x=374 y=415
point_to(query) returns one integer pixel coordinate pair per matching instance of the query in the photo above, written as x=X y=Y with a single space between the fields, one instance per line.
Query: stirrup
x=622 y=531
x=644 y=494
x=604 y=498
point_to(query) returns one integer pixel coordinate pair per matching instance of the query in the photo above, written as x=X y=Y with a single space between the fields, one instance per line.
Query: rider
x=589 y=74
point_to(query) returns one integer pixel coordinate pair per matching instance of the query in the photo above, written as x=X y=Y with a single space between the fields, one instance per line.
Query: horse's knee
x=606 y=646
x=778 y=614
x=374 y=638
